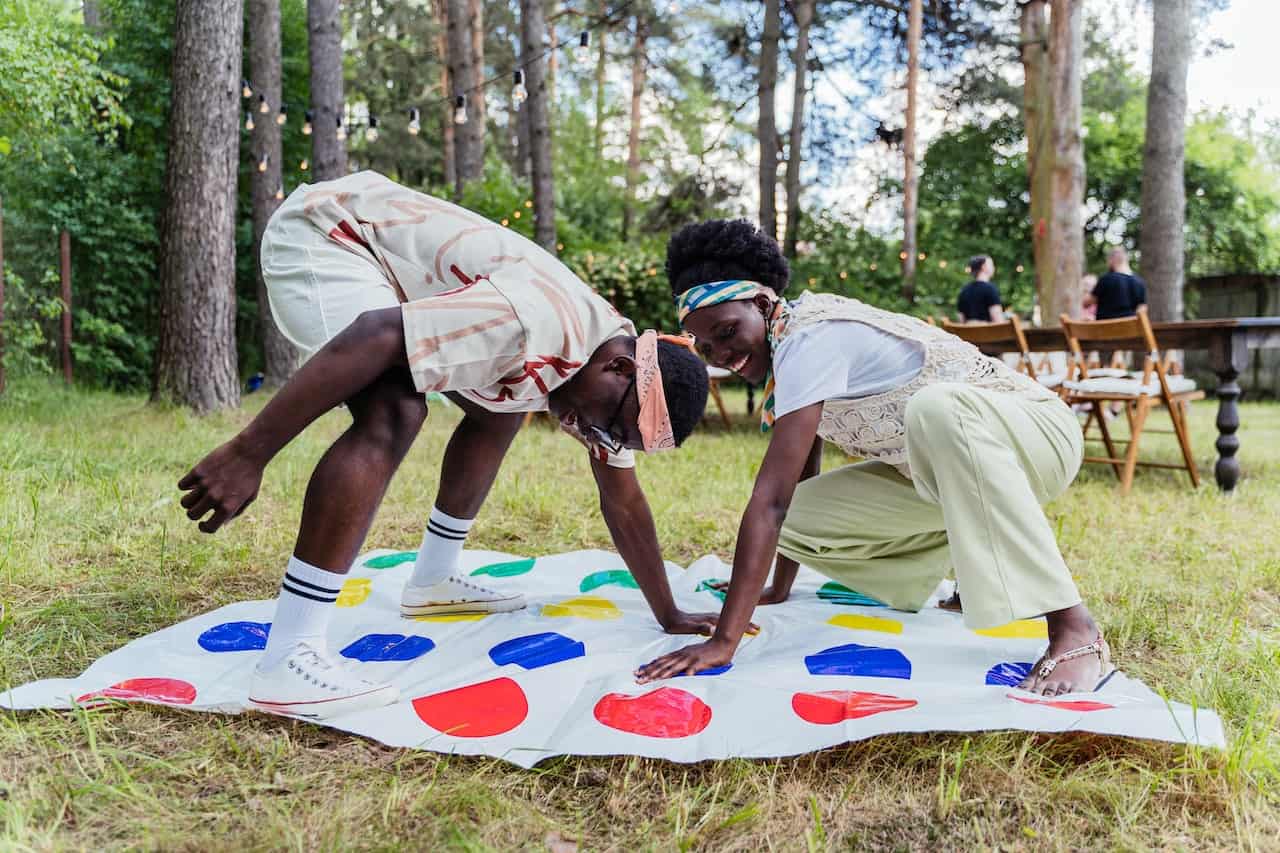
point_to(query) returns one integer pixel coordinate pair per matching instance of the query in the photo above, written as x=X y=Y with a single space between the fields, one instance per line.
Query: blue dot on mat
x=716 y=670
x=1008 y=673
x=535 y=650
x=235 y=637
x=388 y=647
x=854 y=659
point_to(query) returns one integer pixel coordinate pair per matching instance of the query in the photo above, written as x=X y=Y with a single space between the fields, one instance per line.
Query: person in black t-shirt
x=1118 y=292
x=979 y=300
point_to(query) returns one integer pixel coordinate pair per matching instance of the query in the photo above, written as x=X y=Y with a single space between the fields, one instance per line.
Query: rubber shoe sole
x=463 y=608
x=323 y=709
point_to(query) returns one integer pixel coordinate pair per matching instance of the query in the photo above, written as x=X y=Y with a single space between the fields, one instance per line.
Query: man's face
x=600 y=405
x=989 y=268
x=732 y=336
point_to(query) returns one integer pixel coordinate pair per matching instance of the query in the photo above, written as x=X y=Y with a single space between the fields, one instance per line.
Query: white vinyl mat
x=829 y=666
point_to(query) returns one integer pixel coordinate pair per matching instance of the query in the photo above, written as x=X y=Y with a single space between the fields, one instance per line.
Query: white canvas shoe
x=309 y=683
x=456 y=595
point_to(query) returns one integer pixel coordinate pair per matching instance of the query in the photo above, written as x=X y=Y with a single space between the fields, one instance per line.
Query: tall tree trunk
x=532 y=28
x=639 y=68
x=1164 y=199
x=1037 y=107
x=767 y=124
x=461 y=76
x=553 y=61
x=264 y=69
x=196 y=354
x=1066 y=224
x=2 y=379
x=804 y=17
x=602 y=59
x=324 y=34
x=447 y=148
x=909 y=178
x=476 y=121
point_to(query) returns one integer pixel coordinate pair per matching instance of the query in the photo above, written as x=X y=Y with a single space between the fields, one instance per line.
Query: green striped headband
x=715 y=292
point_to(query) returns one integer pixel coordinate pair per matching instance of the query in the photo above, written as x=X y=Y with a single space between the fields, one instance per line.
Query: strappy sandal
x=1046 y=665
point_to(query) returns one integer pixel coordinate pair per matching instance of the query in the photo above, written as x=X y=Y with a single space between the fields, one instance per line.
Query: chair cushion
x=1129 y=387
x=718 y=373
x=1050 y=380
x=1108 y=373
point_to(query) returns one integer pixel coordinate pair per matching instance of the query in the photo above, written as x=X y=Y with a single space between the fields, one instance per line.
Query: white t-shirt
x=836 y=359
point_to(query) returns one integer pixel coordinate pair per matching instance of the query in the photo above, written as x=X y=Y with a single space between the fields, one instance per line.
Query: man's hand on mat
x=687 y=661
x=696 y=623
x=225 y=482
x=769 y=595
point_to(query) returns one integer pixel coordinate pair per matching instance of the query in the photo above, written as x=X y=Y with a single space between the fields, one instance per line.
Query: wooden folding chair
x=1140 y=393
x=980 y=334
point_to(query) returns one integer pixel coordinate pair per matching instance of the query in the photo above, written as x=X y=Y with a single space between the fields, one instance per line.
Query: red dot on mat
x=477 y=710
x=666 y=712
x=834 y=706
x=171 y=691
x=1066 y=704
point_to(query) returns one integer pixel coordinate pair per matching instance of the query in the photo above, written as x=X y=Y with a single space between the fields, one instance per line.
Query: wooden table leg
x=1227 y=358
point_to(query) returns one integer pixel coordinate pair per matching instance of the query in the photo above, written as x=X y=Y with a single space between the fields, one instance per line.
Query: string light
x=872 y=268
x=304 y=165
x=583 y=54
x=812 y=281
x=528 y=202
x=248 y=120
x=342 y=131
x=559 y=247
x=1018 y=268
x=519 y=94
x=306 y=123
x=280 y=192
x=515 y=215
x=246 y=91
x=262 y=164
x=415 y=126
x=460 y=109
x=283 y=115
x=843 y=275
x=262 y=104
x=504 y=222
x=922 y=256
x=942 y=265
x=902 y=256
x=372 y=133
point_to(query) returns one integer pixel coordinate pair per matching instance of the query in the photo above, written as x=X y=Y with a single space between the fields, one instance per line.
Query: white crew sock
x=441 y=545
x=307 y=594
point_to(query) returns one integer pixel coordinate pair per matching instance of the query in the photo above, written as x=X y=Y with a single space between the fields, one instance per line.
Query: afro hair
x=722 y=249
x=684 y=384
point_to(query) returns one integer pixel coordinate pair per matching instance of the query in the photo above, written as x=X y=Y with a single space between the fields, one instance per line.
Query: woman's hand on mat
x=771 y=594
x=225 y=482
x=681 y=622
x=687 y=661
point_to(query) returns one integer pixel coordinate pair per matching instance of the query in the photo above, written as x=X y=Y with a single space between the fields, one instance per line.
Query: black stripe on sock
x=431 y=522
x=317 y=588
x=285 y=586
x=434 y=532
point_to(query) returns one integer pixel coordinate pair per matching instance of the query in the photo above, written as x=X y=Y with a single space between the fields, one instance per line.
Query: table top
x=1181 y=334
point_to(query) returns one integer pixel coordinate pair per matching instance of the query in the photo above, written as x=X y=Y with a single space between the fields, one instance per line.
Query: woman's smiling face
x=732 y=335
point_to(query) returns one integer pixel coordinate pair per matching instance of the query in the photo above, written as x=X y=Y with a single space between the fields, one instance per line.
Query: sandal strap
x=1049 y=664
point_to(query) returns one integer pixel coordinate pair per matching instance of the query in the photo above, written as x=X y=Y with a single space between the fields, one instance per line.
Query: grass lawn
x=94 y=551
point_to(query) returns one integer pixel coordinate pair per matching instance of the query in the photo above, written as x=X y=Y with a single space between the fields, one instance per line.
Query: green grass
x=94 y=551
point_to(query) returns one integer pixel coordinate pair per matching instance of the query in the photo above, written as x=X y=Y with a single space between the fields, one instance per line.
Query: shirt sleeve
x=994 y=297
x=1139 y=291
x=811 y=367
x=465 y=339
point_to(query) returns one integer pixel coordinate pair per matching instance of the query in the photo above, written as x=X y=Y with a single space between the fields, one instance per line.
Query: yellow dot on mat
x=584 y=607
x=451 y=617
x=858 y=622
x=354 y=592
x=1023 y=629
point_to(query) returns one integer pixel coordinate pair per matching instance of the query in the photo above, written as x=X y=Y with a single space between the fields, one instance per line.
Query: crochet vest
x=874 y=427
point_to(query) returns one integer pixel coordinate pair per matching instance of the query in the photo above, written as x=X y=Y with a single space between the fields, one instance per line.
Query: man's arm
x=626 y=512
x=996 y=312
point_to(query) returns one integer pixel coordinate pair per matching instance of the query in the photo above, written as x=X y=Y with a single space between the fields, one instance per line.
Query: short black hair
x=976 y=262
x=721 y=249
x=684 y=384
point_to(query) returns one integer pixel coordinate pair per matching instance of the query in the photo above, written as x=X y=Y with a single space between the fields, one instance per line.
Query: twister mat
x=829 y=666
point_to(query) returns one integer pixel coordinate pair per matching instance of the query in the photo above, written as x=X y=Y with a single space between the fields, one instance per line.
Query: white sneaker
x=309 y=683
x=455 y=595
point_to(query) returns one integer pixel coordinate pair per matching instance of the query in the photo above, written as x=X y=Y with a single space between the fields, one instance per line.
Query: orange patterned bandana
x=655 y=423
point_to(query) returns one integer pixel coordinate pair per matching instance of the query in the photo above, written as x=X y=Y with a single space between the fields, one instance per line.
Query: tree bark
x=447 y=148
x=804 y=17
x=909 y=178
x=324 y=34
x=1066 y=222
x=639 y=70
x=278 y=356
x=1164 y=199
x=461 y=77
x=476 y=100
x=767 y=124
x=2 y=379
x=196 y=353
x=1037 y=110
x=602 y=59
x=532 y=28
x=553 y=61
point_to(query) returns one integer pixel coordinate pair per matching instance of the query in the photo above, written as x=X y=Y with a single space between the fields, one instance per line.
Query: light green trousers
x=983 y=463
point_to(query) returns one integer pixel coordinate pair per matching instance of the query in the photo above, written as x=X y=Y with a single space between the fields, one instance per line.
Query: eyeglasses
x=604 y=437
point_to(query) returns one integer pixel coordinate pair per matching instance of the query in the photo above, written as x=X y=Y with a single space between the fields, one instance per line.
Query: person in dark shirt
x=979 y=300
x=1118 y=292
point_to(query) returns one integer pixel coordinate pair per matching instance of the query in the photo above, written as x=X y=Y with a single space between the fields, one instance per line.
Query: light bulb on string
x=246 y=91
x=519 y=94
x=902 y=256
x=248 y=120
x=342 y=131
x=460 y=109
x=283 y=115
x=304 y=165
x=262 y=164
x=372 y=133
x=415 y=126
x=583 y=53
x=306 y=123
x=280 y=193
x=262 y=104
